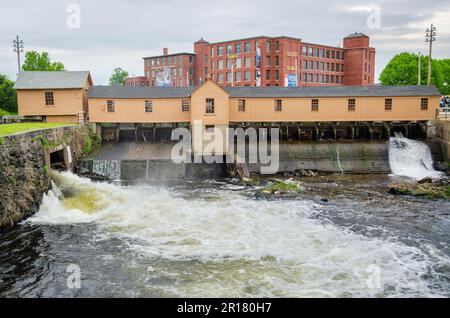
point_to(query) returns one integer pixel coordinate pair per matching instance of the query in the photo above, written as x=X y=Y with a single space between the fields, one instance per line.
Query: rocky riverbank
x=431 y=189
x=25 y=164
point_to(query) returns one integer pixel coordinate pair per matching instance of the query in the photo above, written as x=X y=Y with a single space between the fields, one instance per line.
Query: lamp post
x=445 y=100
x=445 y=86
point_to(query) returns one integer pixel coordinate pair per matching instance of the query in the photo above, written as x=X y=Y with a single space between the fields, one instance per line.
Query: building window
x=229 y=63
x=238 y=63
x=268 y=47
x=220 y=51
x=304 y=50
x=210 y=105
x=247 y=76
x=247 y=62
x=185 y=105
x=241 y=105
x=220 y=64
x=277 y=60
x=424 y=104
x=277 y=46
x=247 y=47
x=238 y=48
x=388 y=104
x=268 y=75
x=278 y=105
x=315 y=105
x=229 y=49
x=268 y=60
x=111 y=106
x=238 y=77
x=212 y=52
x=49 y=100
x=351 y=105
x=220 y=77
x=148 y=106
x=277 y=75
x=209 y=128
x=229 y=77
x=310 y=51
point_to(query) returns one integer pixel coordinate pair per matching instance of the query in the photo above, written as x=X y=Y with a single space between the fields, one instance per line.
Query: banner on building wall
x=163 y=77
x=291 y=80
x=258 y=57
x=258 y=77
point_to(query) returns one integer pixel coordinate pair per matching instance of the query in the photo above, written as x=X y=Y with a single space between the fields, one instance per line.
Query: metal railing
x=444 y=113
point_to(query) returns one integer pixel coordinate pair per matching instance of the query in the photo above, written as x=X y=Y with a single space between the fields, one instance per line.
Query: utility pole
x=430 y=37
x=18 y=47
x=419 y=75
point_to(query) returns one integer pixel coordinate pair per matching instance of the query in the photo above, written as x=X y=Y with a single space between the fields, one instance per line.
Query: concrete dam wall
x=151 y=162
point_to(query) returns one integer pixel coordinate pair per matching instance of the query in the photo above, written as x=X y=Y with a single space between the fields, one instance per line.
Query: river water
x=217 y=238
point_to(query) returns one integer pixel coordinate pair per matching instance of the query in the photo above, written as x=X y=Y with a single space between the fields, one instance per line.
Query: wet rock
x=428 y=190
x=426 y=180
x=281 y=188
x=324 y=199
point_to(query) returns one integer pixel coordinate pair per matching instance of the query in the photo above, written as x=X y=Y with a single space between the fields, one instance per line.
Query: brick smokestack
x=165 y=51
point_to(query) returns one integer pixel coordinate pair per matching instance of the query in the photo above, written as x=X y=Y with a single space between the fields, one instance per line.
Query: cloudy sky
x=118 y=33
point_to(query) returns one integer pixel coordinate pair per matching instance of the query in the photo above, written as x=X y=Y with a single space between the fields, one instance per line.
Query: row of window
x=351 y=104
x=322 y=66
x=185 y=106
x=174 y=72
x=167 y=60
x=322 y=53
x=237 y=48
x=322 y=78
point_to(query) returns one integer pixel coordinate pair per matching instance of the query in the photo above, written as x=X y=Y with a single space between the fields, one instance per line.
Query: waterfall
x=338 y=160
x=411 y=158
x=107 y=168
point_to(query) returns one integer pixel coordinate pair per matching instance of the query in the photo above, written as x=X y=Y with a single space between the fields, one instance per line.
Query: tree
x=8 y=96
x=118 y=77
x=35 y=61
x=402 y=69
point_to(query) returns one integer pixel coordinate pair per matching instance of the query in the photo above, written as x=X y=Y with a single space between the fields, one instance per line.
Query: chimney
x=165 y=51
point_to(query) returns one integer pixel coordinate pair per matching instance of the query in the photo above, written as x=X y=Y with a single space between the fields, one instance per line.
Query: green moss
x=11 y=180
x=46 y=169
x=91 y=142
x=2 y=141
x=280 y=186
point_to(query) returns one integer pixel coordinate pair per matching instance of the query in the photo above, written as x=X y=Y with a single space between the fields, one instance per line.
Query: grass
x=9 y=129
x=4 y=112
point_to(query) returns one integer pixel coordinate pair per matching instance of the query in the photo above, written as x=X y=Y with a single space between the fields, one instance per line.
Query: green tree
x=402 y=69
x=118 y=77
x=8 y=96
x=35 y=61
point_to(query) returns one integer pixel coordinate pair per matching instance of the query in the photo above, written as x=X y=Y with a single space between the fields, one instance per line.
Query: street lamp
x=445 y=86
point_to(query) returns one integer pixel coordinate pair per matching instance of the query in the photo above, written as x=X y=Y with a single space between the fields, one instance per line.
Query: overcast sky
x=118 y=33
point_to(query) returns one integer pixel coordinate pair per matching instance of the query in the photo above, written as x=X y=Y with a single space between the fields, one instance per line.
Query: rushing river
x=216 y=238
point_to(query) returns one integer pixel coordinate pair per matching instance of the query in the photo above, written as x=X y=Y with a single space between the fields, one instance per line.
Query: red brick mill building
x=264 y=61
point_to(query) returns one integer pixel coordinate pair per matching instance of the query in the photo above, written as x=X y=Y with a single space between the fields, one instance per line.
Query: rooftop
x=355 y=35
x=54 y=80
x=332 y=91
x=136 y=92
x=265 y=92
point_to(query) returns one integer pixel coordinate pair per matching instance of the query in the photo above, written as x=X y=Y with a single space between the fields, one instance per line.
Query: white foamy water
x=224 y=244
x=411 y=158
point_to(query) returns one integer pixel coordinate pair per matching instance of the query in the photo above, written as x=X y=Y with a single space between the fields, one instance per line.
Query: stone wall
x=442 y=135
x=25 y=164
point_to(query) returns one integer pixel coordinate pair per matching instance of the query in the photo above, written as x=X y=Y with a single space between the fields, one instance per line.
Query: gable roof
x=52 y=80
x=355 y=35
x=332 y=91
x=139 y=92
